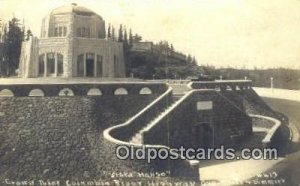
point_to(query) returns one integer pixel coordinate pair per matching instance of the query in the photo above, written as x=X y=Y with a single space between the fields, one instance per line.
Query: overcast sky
x=236 y=33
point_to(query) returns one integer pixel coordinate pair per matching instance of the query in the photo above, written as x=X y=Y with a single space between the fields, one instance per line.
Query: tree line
x=159 y=63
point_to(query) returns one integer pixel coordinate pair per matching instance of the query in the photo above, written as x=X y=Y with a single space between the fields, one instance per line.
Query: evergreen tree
x=28 y=34
x=194 y=61
x=172 y=48
x=125 y=42
x=1 y=31
x=113 y=34
x=130 y=38
x=189 y=59
x=126 y=53
x=109 y=31
x=136 y=38
x=120 y=35
x=12 y=46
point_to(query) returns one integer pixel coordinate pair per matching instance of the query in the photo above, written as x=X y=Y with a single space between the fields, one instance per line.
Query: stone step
x=137 y=138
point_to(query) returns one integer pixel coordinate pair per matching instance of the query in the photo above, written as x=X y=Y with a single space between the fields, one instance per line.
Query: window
x=60 y=64
x=60 y=31
x=89 y=56
x=83 y=32
x=116 y=65
x=90 y=65
x=120 y=91
x=50 y=63
x=42 y=64
x=99 y=66
x=56 y=32
x=88 y=32
x=65 y=31
x=80 y=65
x=78 y=32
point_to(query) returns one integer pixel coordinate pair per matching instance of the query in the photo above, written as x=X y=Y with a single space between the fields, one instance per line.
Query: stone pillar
x=95 y=65
x=55 y=64
x=45 y=65
x=110 y=62
x=84 y=65
x=68 y=58
x=115 y=66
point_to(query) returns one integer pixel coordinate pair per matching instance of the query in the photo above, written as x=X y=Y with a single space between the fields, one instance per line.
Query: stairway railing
x=123 y=132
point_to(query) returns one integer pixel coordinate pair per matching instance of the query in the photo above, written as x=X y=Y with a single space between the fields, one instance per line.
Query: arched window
x=36 y=92
x=50 y=63
x=228 y=87
x=145 y=91
x=80 y=65
x=66 y=92
x=42 y=65
x=6 y=93
x=94 y=92
x=60 y=64
x=121 y=91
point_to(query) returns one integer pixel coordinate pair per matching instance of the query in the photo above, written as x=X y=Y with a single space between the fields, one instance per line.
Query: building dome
x=73 y=21
x=73 y=8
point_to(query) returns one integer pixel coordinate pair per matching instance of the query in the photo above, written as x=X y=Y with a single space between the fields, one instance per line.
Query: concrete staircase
x=138 y=137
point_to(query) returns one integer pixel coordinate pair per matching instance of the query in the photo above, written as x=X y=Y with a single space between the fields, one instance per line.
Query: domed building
x=72 y=44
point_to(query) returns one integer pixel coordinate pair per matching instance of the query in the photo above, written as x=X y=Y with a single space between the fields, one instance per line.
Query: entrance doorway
x=90 y=67
x=204 y=135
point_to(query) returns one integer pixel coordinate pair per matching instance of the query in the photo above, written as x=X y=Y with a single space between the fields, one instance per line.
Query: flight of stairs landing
x=138 y=137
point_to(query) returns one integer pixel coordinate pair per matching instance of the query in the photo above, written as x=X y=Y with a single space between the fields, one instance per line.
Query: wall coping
x=223 y=84
x=270 y=132
x=59 y=81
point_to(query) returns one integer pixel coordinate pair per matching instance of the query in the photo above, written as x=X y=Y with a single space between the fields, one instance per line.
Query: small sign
x=204 y=105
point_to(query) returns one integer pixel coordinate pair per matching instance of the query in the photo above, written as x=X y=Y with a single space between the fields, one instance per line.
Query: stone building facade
x=1 y=41
x=72 y=44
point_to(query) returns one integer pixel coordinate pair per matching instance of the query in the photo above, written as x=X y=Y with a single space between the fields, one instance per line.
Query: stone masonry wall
x=60 y=138
x=178 y=128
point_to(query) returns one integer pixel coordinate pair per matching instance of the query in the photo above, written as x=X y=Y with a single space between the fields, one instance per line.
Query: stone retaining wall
x=178 y=125
x=60 y=138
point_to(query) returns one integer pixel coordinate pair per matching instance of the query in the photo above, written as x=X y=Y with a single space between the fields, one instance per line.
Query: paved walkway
x=235 y=172
x=293 y=95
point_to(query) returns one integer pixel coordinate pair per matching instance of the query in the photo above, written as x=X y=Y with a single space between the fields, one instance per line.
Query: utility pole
x=271 y=83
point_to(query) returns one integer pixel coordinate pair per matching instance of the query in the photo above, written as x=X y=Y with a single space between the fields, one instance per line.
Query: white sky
x=236 y=33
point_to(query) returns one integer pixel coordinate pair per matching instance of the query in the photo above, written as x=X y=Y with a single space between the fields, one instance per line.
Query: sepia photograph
x=149 y=92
